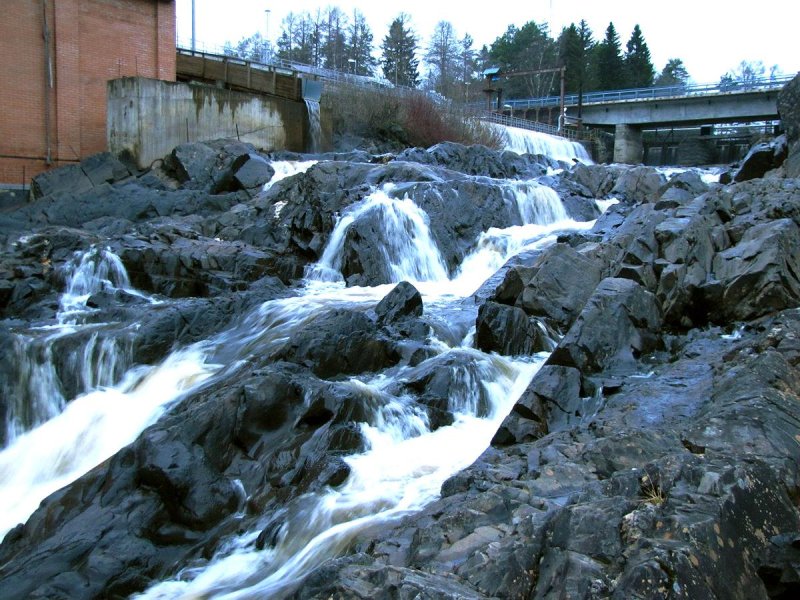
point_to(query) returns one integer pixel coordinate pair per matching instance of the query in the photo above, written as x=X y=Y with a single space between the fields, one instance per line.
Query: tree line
x=449 y=64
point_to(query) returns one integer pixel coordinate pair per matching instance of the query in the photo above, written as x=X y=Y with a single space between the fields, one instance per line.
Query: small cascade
x=57 y=363
x=525 y=141
x=406 y=245
x=314 y=126
x=537 y=204
x=35 y=396
x=96 y=270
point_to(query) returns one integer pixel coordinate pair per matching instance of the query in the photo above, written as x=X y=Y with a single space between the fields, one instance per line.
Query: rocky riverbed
x=653 y=454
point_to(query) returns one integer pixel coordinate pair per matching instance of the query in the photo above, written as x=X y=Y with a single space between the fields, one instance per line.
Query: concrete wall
x=147 y=118
x=53 y=96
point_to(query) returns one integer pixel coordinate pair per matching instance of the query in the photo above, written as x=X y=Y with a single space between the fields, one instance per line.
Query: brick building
x=57 y=57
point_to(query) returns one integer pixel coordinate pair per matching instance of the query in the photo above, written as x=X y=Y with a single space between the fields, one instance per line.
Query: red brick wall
x=92 y=41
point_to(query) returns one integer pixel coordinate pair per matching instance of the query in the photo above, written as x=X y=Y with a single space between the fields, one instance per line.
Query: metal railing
x=650 y=93
x=273 y=62
x=526 y=124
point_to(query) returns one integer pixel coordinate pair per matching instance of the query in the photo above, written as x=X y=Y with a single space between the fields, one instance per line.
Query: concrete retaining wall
x=147 y=118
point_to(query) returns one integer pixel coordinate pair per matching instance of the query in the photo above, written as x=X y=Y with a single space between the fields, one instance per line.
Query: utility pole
x=194 y=45
x=266 y=38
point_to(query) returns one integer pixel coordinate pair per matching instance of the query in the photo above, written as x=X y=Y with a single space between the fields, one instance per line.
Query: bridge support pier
x=628 y=146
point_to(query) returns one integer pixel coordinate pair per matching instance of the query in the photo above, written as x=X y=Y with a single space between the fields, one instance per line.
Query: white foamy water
x=90 y=429
x=314 y=127
x=401 y=471
x=403 y=464
x=287 y=168
x=525 y=141
x=96 y=270
x=407 y=249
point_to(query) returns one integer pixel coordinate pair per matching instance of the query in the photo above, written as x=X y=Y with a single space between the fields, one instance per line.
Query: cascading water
x=525 y=141
x=404 y=460
x=408 y=250
x=92 y=359
x=314 y=126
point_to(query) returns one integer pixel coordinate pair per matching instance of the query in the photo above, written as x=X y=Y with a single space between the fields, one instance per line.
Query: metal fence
x=650 y=93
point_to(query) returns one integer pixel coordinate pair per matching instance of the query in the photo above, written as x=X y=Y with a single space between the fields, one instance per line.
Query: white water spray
x=314 y=127
x=525 y=141
x=405 y=242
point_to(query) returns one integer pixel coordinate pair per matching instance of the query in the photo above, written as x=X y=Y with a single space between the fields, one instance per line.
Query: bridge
x=631 y=111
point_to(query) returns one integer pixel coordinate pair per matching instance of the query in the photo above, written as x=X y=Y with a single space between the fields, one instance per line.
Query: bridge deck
x=238 y=74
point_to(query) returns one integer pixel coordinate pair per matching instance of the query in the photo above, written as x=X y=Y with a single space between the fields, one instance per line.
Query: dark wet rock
x=403 y=301
x=562 y=281
x=761 y=158
x=476 y=160
x=104 y=168
x=207 y=165
x=639 y=184
x=247 y=172
x=619 y=324
x=551 y=401
x=340 y=342
x=682 y=188
x=758 y=275
x=579 y=208
x=788 y=103
x=508 y=330
x=597 y=180
x=70 y=179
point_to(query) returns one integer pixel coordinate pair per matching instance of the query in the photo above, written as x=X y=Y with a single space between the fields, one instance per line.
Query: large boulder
x=508 y=330
x=340 y=342
x=789 y=111
x=639 y=184
x=403 y=301
x=759 y=275
x=761 y=158
x=563 y=280
x=477 y=160
x=619 y=325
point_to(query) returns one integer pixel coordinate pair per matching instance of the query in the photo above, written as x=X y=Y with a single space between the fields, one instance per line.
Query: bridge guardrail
x=673 y=91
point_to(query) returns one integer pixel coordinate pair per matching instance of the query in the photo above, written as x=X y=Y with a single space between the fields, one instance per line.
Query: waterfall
x=401 y=471
x=403 y=461
x=96 y=270
x=89 y=430
x=408 y=251
x=525 y=141
x=35 y=396
x=314 y=126
x=537 y=204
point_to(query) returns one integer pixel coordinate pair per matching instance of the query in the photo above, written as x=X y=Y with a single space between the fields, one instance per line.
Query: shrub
x=407 y=117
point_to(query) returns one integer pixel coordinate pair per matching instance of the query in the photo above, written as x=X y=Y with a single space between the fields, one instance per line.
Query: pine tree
x=609 y=67
x=673 y=73
x=359 y=46
x=398 y=60
x=574 y=51
x=527 y=48
x=639 y=67
x=467 y=64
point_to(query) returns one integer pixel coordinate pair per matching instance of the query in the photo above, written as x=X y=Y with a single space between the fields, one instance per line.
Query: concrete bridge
x=629 y=112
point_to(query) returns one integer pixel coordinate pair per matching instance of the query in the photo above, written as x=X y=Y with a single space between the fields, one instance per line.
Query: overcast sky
x=710 y=36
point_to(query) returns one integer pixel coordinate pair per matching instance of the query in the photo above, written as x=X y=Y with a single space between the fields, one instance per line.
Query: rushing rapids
x=446 y=373
x=54 y=435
